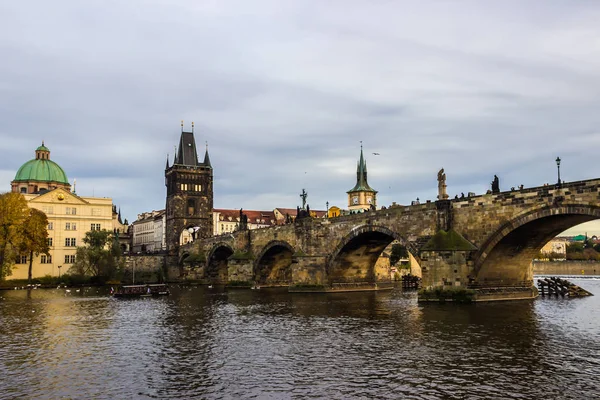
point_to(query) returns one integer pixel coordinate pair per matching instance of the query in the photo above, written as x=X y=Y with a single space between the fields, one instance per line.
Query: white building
x=149 y=232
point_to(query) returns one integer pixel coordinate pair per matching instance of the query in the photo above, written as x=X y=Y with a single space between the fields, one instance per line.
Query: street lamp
x=327 y=205
x=59 y=267
x=558 y=168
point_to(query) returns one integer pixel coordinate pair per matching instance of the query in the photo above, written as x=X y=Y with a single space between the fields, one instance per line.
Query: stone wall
x=145 y=268
x=566 y=268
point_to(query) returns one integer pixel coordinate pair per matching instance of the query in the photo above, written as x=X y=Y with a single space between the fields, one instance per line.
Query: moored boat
x=152 y=290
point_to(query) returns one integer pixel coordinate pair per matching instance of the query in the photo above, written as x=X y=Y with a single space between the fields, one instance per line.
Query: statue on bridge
x=496 y=185
x=243 y=225
x=442 y=195
x=303 y=195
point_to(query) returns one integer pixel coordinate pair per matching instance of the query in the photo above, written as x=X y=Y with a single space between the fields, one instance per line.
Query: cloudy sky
x=284 y=91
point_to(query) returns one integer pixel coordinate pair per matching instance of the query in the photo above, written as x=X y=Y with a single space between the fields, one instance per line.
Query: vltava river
x=202 y=343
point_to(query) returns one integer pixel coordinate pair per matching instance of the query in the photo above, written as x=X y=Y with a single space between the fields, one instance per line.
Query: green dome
x=41 y=170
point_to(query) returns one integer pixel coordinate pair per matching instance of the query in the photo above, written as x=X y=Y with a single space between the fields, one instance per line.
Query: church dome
x=41 y=169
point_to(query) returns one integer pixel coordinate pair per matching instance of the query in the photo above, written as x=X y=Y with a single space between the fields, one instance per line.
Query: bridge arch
x=216 y=269
x=506 y=255
x=355 y=256
x=273 y=266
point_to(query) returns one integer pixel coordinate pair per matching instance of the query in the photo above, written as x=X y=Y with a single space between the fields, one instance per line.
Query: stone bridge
x=484 y=242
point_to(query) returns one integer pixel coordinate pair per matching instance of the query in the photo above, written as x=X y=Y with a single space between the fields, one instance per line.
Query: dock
x=554 y=286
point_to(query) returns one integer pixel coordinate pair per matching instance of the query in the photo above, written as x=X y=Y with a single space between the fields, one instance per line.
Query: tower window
x=191 y=207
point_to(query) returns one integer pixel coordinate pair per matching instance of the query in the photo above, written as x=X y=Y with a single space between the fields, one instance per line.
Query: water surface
x=203 y=343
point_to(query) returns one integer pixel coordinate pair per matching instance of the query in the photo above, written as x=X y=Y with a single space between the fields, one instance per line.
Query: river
x=270 y=344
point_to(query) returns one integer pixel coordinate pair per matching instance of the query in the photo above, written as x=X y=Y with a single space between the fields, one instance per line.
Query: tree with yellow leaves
x=13 y=212
x=34 y=236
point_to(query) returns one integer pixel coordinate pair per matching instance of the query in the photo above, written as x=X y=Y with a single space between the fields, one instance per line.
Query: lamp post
x=327 y=205
x=558 y=168
x=59 y=267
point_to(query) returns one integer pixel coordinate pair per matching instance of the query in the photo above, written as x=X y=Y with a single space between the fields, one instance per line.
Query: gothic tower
x=189 y=194
x=361 y=196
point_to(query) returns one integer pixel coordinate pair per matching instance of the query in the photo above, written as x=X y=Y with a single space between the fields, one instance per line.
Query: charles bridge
x=484 y=242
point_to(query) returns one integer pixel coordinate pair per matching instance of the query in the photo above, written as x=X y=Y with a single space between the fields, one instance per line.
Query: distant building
x=149 y=232
x=45 y=187
x=557 y=245
x=361 y=196
x=226 y=221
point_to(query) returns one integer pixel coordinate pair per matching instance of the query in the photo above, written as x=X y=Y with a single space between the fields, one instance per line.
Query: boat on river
x=153 y=290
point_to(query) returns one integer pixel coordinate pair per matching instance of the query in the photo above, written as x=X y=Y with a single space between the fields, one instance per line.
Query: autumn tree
x=13 y=212
x=34 y=237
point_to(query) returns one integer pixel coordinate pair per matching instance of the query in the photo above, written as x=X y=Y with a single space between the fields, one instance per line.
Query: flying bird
x=376 y=154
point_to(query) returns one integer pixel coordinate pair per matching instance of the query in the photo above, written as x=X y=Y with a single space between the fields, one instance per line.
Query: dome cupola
x=40 y=174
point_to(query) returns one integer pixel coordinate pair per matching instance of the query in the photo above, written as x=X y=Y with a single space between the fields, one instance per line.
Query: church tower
x=189 y=193
x=361 y=196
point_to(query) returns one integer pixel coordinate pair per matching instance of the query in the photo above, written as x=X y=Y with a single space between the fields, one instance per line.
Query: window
x=48 y=210
x=50 y=226
x=70 y=242
x=46 y=259
x=95 y=227
x=69 y=258
x=49 y=242
x=23 y=190
x=198 y=188
x=71 y=211
x=184 y=187
x=69 y=227
x=96 y=211
x=21 y=259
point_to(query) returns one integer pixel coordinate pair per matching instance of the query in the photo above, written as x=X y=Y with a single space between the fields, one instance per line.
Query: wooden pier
x=554 y=286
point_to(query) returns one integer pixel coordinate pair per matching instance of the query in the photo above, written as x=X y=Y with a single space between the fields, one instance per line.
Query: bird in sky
x=376 y=154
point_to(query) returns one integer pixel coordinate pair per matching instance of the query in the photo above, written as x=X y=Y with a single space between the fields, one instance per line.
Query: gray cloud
x=284 y=91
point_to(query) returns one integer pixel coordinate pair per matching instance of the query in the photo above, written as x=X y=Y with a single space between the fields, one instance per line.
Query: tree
x=398 y=252
x=13 y=211
x=100 y=257
x=34 y=237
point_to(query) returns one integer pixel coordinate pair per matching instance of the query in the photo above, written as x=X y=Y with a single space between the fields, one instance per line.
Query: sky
x=284 y=92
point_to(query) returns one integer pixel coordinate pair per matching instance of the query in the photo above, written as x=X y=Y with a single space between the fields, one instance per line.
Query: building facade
x=189 y=201
x=148 y=232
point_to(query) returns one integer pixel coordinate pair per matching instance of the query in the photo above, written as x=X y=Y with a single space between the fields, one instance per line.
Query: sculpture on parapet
x=442 y=195
x=243 y=225
x=303 y=196
x=496 y=185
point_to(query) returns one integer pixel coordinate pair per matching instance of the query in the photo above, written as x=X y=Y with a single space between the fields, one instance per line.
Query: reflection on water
x=272 y=344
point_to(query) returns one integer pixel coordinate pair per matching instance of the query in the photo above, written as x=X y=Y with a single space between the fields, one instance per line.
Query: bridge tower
x=361 y=196
x=189 y=194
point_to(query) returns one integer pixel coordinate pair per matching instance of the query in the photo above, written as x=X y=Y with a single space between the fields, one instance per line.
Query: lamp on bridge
x=558 y=167
x=327 y=205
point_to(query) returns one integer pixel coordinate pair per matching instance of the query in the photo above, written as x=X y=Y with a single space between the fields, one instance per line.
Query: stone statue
x=303 y=195
x=442 y=195
x=496 y=185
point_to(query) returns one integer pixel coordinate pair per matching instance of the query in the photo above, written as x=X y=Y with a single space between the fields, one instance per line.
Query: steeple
x=206 y=157
x=361 y=175
x=167 y=167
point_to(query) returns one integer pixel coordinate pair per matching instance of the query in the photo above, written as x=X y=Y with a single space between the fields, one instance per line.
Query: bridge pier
x=240 y=270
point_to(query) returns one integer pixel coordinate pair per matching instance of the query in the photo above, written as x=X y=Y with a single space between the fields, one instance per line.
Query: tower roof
x=186 y=153
x=361 y=176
